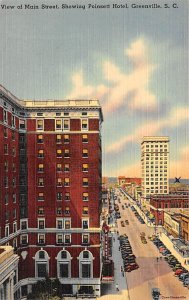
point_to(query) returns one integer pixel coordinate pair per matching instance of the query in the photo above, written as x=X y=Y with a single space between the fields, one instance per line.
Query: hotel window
x=86 y=270
x=59 y=238
x=41 y=239
x=40 y=181
x=59 y=196
x=14 y=226
x=5 y=149
x=6 y=199
x=13 y=121
x=13 y=135
x=6 y=166
x=85 y=138
x=85 y=238
x=67 y=196
x=84 y=124
x=40 y=196
x=14 y=198
x=66 y=168
x=24 y=239
x=40 y=139
x=67 y=224
x=66 y=153
x=40 y=125
x=40 y=153
x=85 y=197
x=22 y=124
x=85 y=224
x=40 y=168
x=23 y=224
x=85 y=153
x=14 y=182
x=5 y=132
x=41 y=211
x=59 y=223
x=59 y=153
x=41 y=223
x=14 y=213
x=59 y=182
x=66 y=138
x=59 y=167
x=58 y=124
x=66 y=181
x=66 y=113
x=6 y=215
x=66 y=124
x=85 y=167
x=85 y=210
x=67 y=210
x=58 y=139
x=59 y=211
x=85 y=182
x=67 y=238
x=5 y=116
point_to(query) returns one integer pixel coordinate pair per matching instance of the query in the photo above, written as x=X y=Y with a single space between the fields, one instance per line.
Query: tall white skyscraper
x=155 y=165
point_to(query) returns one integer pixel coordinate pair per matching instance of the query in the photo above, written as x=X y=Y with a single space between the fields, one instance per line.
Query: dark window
x=42 y=270
x=64 y=270
x=86 y=270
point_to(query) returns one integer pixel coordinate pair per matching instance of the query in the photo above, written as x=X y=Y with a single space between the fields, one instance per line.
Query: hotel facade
x=50 y=176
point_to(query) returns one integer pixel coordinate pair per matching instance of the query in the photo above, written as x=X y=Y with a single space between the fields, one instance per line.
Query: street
x=152 y=273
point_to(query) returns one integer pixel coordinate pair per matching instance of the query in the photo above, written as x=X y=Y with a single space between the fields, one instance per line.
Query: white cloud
x=81 y=90
x=122 y=89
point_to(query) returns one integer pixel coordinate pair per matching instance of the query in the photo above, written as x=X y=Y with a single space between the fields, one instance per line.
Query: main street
x=151 y=273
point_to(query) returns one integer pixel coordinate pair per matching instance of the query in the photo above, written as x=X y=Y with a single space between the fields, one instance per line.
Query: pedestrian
x=157 y=259
x=117 y=287
x=119 y=248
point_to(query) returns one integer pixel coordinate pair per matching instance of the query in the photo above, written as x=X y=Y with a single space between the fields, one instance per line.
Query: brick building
x=161 y=203
x=50 y=174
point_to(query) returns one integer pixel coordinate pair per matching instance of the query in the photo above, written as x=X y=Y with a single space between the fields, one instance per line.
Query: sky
x=134 y=60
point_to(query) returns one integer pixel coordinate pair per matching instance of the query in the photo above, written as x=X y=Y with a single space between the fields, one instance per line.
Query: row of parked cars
x=137 y=215
x=129 y=262
x=178 y=269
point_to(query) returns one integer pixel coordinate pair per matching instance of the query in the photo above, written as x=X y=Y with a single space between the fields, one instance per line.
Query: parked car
x=178 y=272
x=126 y=222
x=183 y=276
x=155 y=293
x=132 y=266
x=186 y=282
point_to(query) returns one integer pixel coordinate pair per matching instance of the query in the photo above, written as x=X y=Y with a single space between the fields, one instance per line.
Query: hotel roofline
x=51 y=104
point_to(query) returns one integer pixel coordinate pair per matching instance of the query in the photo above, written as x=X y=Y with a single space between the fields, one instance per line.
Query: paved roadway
x=151 y=273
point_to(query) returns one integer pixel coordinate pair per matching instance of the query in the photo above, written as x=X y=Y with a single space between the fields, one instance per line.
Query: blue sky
x=134 y=60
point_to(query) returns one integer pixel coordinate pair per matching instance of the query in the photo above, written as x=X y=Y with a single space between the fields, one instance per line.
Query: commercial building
x=155 y=165
x=171 y=202
x=50 y=174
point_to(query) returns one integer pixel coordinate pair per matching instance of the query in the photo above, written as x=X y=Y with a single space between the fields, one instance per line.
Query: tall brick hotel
x=50 y=190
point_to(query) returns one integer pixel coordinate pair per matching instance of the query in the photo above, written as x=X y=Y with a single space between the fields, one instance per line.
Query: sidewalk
x=109 y=290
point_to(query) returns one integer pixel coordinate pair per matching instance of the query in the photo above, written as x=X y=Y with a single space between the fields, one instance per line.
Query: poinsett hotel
x=50 y=174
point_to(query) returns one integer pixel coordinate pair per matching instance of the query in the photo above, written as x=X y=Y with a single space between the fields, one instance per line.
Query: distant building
x=8 y=273
x=127 y=180
x=155 y=165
